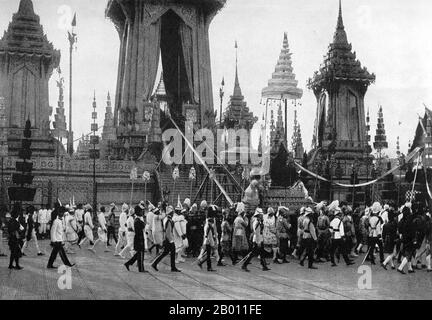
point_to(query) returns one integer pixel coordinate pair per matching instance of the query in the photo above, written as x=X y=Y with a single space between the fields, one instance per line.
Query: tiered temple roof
x=340 y=63
x=25 y=35
x=283 y=82
x=237 y=114
x=109 y=130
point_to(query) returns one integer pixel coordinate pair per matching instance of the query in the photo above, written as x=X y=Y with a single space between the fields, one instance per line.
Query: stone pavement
x=102 y=276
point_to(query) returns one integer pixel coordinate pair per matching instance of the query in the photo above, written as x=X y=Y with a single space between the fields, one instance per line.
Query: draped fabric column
x=187 y=48
x=152 y=35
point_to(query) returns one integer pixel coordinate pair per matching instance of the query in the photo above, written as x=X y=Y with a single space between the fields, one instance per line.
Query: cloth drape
x=187 y=47
x=152 y=34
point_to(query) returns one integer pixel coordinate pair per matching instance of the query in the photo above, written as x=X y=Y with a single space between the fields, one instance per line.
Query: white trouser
x=130 y=242
x=34 y=238
x=42 y=228
x=121 y=240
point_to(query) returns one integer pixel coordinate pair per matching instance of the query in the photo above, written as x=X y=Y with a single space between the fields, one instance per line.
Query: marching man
x=149 y=242
x=337 y=242
x=210 y=243
x=31 y=231
x=122 y=230
x=88 y=227
x=102 y=231
x=130 y=234
x=309 y=238
x=180 y=238
x=169 y=246
x=258 y=242
x=57 y=241
x=72 y=231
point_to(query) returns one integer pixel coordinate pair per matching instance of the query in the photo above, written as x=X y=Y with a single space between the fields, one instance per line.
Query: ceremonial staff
x=72 y=37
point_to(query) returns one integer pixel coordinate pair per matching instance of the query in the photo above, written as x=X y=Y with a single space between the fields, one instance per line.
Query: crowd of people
x=322 y=233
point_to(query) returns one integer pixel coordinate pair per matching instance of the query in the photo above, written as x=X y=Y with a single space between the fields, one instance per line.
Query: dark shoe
x=211 y=270
x=244 y=268
x=143 y=271
x=127 y=266
x=334 y=265
x=200 y=265
x=175 y=270
x=40 y=254
x=302 y=263
x=384 y=266
x=18 y=268
x=72 y=265
x=401 y=271
x=319 y=260
x=23 y=254
x=285 y=261
x=51 y=267
x=11 y=267
x=411 y=271
x=350 y=263
x=393 y=267
x=154 y=267
x=373 y=262
x=276 y=261
x=220 y=264
x=429 y=271
x=234 y=262
x=313 y=268
x=266 y=268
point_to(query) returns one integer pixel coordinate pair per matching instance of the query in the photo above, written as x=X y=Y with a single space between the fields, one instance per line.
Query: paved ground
x=103 y=277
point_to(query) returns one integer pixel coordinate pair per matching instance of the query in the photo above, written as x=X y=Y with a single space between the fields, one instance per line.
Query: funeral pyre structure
x=341 y=151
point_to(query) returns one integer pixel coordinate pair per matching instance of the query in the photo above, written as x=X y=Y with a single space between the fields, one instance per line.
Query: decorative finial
x=237 y=89
x=26 y=8
x=340 y=35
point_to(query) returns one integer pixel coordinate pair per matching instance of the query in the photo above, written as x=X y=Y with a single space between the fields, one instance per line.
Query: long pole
x=286 y=121
x=70 y=143
x=131 y=197
x=94 y=181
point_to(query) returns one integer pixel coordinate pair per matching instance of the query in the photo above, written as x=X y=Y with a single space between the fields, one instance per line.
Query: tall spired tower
x=27 y=60
x=178 y=32
x=340 y=86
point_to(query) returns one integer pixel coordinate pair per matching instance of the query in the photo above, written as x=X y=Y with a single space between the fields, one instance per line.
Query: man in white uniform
x=42 y=218
x=102 y=231
x=122 y=229
x=88 y=226
x=130 y=234
x=337 y=241
x=57 y=241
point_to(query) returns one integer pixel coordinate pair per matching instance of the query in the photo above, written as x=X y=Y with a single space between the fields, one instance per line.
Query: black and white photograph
x=215 y=150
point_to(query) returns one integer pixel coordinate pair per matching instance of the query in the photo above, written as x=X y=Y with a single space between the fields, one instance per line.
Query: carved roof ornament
x=340 y=63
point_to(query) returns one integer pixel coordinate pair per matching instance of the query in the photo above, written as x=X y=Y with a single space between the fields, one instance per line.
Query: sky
x=391 y=38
